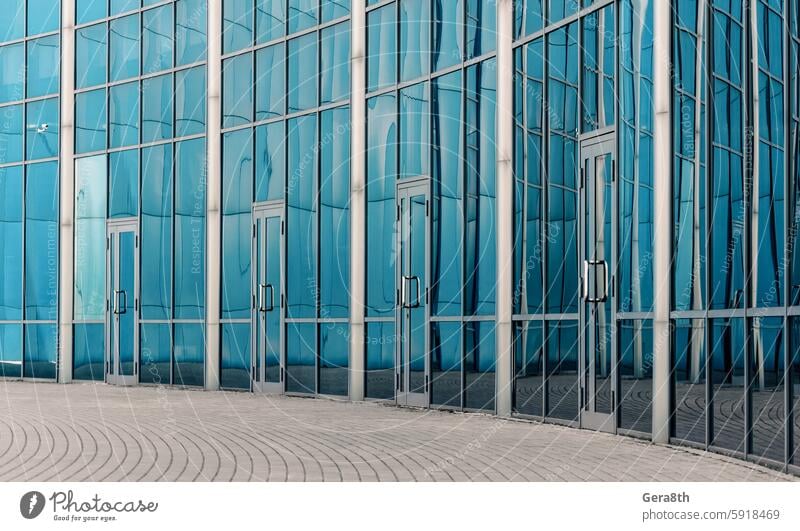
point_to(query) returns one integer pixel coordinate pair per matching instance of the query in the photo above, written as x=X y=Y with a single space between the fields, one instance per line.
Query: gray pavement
x=97 y=432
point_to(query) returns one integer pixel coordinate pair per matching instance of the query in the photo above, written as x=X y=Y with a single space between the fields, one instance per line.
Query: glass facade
x=431 y=106
x=735 y=112
x=186 y=256
x=140 y=151
x=286 y=146
x=29 y=188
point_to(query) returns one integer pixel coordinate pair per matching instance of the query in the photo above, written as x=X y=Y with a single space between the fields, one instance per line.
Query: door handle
x=404 y=292
x=262 y=298
x=120 y=309
x=593 y=264
x=585 y=283
x=271 y=298
x=606 y=284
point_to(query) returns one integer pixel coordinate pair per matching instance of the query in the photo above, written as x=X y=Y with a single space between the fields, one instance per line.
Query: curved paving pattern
x=96 y=432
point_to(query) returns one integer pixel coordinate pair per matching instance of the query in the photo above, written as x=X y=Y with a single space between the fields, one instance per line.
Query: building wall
x=29 y=188
x=437 y=109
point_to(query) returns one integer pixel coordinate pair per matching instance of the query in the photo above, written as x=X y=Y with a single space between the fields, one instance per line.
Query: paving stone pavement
x=97 y=432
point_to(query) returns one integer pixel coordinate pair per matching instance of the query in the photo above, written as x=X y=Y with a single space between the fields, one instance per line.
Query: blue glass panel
x=88 y=361
x=237 y=202
x=235 y=356
x=190 y=101
x=333 y=9
x=561 y=9
x=770 y=228
x=446 y=356
x=124 y=54
x=10 y=351
x=12 y=73
x=89 y=10
x=562 y=259
x=727 y=348
x=43 y=66
x=448 y=33
x=11 y=243
x=334 y=235
x=301 y=239
x=767 y=366
x=123 y=115
x=190 y=350
x=270 y=162
x=528 y=17
x=529 y=360
x=123 y=190
x=270 y=82
x=12 y=20
x=727 y=242
x=40 y=358
x=157 y=97
x=381 y=174
x=154 y=353
x=91 y=53
x=123 y=6
x=334 y=360
x=636 y=369
x=90 y=121
x=301 y=358
x=41 y=241
x=479 y=365
x=156 y=233
x=43 y=16
x=381 y=47
x=481 y=27
x=237 y=25
x=533 y=297
x=11 y=134
x=380 y=353
x=190 y=233
x=157 y=39
x=42 y=129
x=562 y=369
x=635 y=160
x=415 y=23
x=237 y=90
x=302 y=14
x=448 y=193
x=90 y=238
x=414 y=131
x=335 y=63
x=302 y=73
x=270 y=19
x=598 y=56
x=480 y=258
x=190 y=31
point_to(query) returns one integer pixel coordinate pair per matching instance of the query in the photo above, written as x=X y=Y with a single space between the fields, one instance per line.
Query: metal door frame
x=405 y=189
x=592 y=146
x=117 y=227
x=264 y=211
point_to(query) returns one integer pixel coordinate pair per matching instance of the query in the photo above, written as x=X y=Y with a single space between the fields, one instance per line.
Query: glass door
x=268 y=366
x=598 y=341
x=122 y=302
x=413 y=366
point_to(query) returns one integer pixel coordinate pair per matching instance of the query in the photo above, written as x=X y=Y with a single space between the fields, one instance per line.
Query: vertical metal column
x=358 y=198
x=662 y=90
x=505 y=204
x=66 y=167
x=214 y=195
